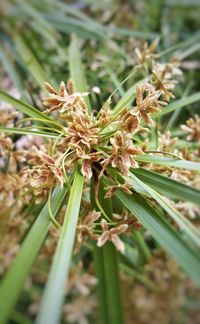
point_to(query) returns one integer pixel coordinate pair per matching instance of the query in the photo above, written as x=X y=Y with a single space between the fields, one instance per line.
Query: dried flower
x=7 y=117
x=167 y=142
x=147 y=101
x=111 y=189
x=105 y=113
x=86 y=226
x=27 y=141
x=123 y=153
x=62 y=99
x=192 y=127
x=46 y=171
x=147 y=52
x=130 y=122
x=6 y=145
x=162 y=78
x=112 y=235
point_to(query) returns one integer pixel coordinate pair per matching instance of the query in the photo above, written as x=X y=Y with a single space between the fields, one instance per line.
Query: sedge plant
x=107 y=185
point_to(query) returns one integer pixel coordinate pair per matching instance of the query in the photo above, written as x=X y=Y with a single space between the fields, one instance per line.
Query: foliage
x=100 y=181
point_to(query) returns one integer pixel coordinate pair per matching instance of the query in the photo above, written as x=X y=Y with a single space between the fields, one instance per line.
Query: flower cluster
x=192 y=128
x=104 y=141
x=161 y=74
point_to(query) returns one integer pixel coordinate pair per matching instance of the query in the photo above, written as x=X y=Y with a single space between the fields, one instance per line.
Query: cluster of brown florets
x=83 y=137
x=101 y=141
x=162 y=75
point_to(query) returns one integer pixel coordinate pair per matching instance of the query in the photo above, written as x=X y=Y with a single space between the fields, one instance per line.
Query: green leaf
x=24 y=107
x=111 y=277
x=181 y=103
x=162 y=231
x=70 y=25
x=30 y=61
x=167 y=186
x=53 y=297
x=11 y=70
x=101 y=285
x=29 y=110
x=86 y=27
x=134 y=33
x=143 y=248
x=76 y=69
x=183 y=164
x=107 y=270
x=13 y=281
x=91 y=24
x=182 y=222
x=41 y=25
x=22 y=131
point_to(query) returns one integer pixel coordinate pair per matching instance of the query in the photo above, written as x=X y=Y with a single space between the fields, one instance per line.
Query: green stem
x=107 y=270
x=53 y=298
x=142 y=245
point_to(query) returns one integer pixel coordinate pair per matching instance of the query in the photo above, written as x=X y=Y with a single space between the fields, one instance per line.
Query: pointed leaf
x=13 y=281
x=53 y=297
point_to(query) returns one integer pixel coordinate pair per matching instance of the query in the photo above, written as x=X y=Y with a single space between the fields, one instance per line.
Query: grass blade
x=28 y=110
x=22 y=131
x=183 y=223
x=167 y=186
x=133 y=33
x=24 y=107
x=101 y=285
x=51 y=307
x=183 y=164
x=38 y=23
x=31 y=61
x=69 y=25
x=162 y=231
x=76 y=69
x=107 y=271
x=181 y=103
x=16 y=275
x=112 y=284
x=11 y=70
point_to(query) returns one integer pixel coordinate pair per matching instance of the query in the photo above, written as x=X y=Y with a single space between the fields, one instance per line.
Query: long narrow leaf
x=183 y=223
x=166 y=236
x=11 y=70
x=53 y=298
x=183 y=164
x=112 y=284
x=181 y=103
x=167 y=186
x=13 y=282
x=22 y=131
x=30 y=60
x=107 y=271
x=76 y=69
x=24 y=107
x=101 y=285
x=70 y=25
